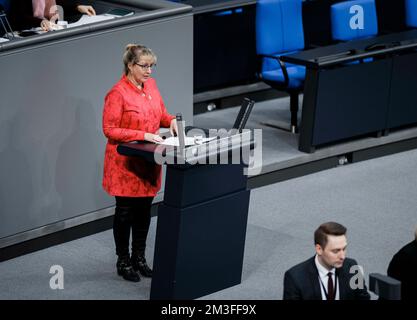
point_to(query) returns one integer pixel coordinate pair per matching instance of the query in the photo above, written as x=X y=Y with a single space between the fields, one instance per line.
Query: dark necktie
x=330 y=287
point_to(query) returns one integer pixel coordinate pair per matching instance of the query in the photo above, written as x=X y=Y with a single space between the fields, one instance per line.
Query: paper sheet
x=189 y=141
x=85 y=19
x=174 y=141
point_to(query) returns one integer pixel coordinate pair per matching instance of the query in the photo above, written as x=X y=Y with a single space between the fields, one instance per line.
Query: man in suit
x=329 y=275
x=403 y=267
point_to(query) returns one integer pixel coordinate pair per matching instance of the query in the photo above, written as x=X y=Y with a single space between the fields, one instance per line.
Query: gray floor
x=375 y=199
x=279 y=147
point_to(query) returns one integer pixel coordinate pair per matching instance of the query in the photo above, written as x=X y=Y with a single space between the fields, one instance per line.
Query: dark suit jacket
x=301 y=282
x=21 y=13
x=403 y=267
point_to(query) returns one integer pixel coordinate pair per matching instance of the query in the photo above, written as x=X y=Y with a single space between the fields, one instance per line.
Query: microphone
x=181 y=132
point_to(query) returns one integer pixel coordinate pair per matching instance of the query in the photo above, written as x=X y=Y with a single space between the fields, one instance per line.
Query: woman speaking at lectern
x=133 y=110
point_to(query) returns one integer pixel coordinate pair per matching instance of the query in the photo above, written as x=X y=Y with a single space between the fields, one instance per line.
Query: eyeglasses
x=146 y=67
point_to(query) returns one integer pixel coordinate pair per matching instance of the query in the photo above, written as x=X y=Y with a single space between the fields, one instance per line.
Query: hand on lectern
x=49 y=25
x=173 y=127
x=88 y=10
x=152 y=137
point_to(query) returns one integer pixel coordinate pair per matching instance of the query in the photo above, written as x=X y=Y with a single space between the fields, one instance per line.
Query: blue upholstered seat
x=411 y=13
x=5 y=29
x=279 y=31
x=5 y=4
x=341 y=16
x=272 y=71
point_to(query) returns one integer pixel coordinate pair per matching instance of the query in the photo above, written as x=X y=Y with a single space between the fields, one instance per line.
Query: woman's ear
x=130 y=67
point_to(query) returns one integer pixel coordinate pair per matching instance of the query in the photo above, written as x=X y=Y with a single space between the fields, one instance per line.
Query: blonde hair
x=133 y=53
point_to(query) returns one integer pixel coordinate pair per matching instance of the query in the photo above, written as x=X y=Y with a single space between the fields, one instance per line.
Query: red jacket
x=128 y=114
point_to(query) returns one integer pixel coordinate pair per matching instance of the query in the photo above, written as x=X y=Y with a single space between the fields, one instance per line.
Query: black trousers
x=131 y=214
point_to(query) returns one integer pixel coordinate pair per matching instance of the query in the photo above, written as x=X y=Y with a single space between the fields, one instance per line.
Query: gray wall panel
x=51 y=100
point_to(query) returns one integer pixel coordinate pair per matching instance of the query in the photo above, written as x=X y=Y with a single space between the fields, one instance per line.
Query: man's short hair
x=325 y=229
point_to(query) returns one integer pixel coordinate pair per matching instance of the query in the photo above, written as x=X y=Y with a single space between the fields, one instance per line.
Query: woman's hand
x=173 y=127
x=47 y=25
x=89 y=10
x=152 y=137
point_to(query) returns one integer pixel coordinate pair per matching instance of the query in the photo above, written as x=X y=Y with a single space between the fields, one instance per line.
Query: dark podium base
x=199 y=246
x=201 y=230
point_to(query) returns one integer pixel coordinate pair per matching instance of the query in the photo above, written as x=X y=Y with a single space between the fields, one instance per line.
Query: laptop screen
x=181 y=130
x=243 y=114
x=239 y=125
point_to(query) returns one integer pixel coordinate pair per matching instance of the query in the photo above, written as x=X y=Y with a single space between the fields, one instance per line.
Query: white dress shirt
x=324 y=278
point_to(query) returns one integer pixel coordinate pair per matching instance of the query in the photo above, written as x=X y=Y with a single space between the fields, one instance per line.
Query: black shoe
x=139 y=264
x=124 y=269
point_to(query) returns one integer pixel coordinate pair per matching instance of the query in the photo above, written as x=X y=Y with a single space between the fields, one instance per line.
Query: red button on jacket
x=128 y=114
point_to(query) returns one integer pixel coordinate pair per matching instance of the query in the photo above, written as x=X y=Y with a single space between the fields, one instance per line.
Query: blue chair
x=411 y=13
x=5 y=4
x=4 y=22
x=279 y=31
x=340 y=17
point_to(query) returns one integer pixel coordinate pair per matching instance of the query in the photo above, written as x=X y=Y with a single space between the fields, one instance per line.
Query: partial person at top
x=27 y=14
x=329 y=274
x=403 y=267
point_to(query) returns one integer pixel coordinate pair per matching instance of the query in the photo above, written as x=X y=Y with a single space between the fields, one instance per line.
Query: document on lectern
x=174 y=141
x=85 y=19
x=189 y=141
